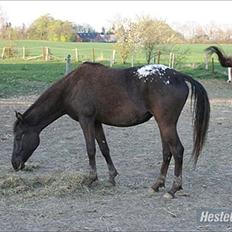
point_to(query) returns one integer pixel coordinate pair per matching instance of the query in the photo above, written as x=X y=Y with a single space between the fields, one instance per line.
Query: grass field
x=22 y=77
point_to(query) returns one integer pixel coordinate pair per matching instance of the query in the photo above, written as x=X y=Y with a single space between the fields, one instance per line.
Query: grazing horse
x=94 y=94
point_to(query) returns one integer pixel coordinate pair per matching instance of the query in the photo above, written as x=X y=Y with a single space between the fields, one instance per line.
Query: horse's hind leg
x=171 y=137
x=100 y=137
x=167 y=155
x=171 y=147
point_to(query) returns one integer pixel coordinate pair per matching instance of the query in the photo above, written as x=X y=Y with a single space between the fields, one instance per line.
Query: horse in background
x=225 y=61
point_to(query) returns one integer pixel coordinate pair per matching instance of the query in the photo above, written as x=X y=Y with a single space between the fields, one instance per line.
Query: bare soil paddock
x=52 y=194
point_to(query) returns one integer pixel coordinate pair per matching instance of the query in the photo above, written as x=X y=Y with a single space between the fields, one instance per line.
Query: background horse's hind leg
x=167 y=155
x=100 y=137
x=88 y=127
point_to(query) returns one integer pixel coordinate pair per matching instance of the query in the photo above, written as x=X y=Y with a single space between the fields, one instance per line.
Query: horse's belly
x=125 y=118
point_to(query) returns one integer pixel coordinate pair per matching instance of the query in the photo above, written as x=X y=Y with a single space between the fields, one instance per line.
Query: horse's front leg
x=100 y=137
x=88 y=127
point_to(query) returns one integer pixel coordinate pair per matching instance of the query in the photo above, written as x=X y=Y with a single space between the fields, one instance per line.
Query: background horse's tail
x=224 y=60
x=201 y=114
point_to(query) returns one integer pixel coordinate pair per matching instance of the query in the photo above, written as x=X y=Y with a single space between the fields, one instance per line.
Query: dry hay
x=56 y=184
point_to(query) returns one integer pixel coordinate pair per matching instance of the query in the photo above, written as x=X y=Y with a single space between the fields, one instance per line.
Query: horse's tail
x=201 y=114
x=223 y=59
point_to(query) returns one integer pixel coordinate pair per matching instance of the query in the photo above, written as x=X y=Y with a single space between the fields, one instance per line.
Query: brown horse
x=225 y=61
x=94 y=95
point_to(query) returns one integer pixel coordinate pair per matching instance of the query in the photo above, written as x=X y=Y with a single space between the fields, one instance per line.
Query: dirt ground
x=52 y=195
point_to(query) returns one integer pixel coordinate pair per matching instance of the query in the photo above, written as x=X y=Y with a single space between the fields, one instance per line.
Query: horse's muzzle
x=17 y=165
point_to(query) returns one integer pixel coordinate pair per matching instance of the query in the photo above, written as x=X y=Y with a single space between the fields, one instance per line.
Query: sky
x=102 y=13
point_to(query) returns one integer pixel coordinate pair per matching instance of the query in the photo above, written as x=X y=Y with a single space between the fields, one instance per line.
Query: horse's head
x=26 y=140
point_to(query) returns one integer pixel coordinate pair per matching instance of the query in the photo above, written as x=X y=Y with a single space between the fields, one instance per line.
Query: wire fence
x=56 y=53
x=108 y=56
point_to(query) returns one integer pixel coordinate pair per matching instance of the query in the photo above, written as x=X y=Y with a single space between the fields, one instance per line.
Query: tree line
x=45 y=27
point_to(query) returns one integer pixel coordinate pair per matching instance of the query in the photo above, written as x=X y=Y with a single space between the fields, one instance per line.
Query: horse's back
x=115 y=98
x=127 y=96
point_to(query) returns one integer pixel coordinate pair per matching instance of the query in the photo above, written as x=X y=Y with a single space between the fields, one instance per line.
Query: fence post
x=3 y=52
x=76 y=55
x=173 y=60
x=132 y=60
x=212 y=68
x=93 y=51
x=170 y=60
x=206 y=62
x=46 y=53
x=112 y=60
x=24 y=53
x=68 y=65
x=158 y=58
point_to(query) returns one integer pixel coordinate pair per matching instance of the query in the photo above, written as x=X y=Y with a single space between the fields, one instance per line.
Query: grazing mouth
x=18 y=166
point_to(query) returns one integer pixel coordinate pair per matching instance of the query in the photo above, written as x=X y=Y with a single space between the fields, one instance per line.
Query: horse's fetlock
x=177 y=183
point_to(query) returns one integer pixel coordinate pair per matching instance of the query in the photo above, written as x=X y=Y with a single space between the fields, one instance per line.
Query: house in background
x=95 y=37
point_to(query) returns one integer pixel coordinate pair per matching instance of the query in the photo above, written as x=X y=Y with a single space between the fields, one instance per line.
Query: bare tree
x=2 y=23
x=153 y=32
x=125 y=31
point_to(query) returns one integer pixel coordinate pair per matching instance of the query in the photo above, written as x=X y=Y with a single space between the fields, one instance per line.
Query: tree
x=40 y=27
x=61 y=31
x=153 y=32
x=3 y=25
x=125 y=32
x=146 y=33
x=48 y=28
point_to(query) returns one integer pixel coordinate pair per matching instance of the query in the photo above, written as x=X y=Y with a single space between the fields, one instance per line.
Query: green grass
x=60 y=50
x=20 y=77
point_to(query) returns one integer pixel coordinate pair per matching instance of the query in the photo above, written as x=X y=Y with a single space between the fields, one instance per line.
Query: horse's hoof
x=151 y=191
x=112 y=176
x=112 y=181
x=168 y=196
x=92 y=179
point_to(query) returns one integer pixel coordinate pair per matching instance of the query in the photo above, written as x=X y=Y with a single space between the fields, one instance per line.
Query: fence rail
x=56 y=53
x=110 y=56
x=106 y=55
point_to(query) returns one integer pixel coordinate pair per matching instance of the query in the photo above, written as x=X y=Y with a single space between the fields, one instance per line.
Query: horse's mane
x=93 y=63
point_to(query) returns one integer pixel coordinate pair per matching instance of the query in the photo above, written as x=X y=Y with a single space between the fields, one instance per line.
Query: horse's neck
x=46 y=109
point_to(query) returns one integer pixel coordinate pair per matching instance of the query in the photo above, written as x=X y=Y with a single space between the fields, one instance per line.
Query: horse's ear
x=19 y=116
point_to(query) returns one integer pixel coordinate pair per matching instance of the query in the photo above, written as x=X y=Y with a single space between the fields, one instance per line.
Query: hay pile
x=56 y=184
